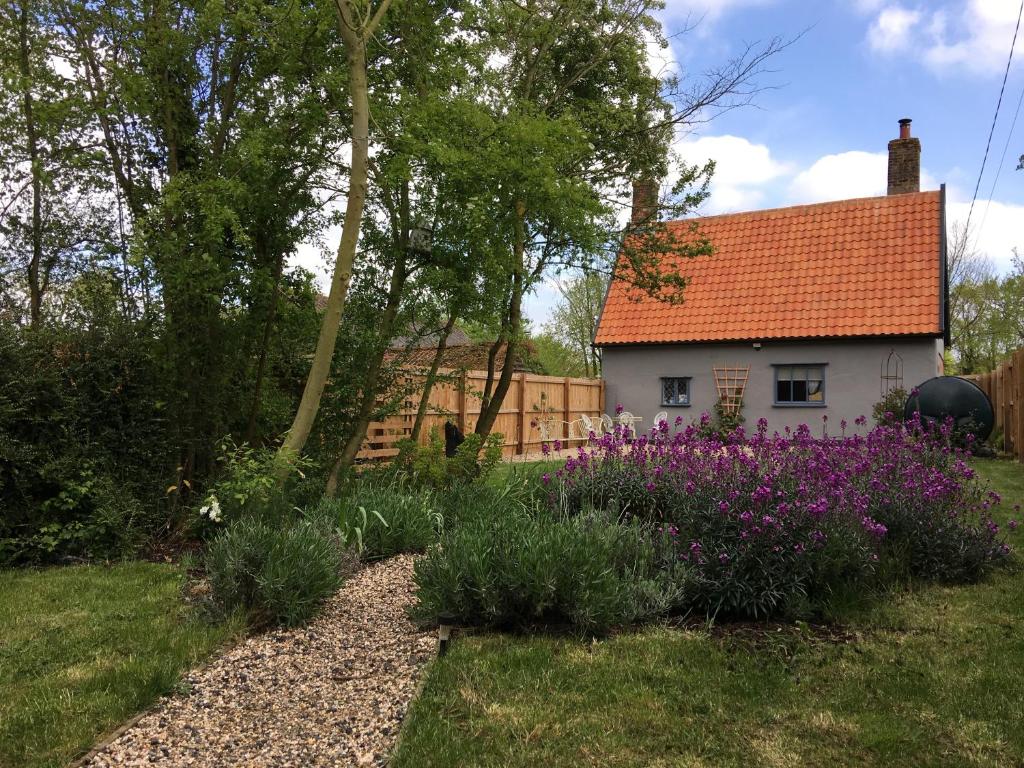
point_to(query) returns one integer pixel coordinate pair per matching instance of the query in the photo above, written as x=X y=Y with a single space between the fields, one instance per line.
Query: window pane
x=783 y=391
x=675 y=391
x=784 y=374
x=799 y=391
x=815 y=391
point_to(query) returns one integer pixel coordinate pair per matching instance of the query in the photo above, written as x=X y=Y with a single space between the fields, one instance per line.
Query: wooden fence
x=457 y=397
x=1005 y=388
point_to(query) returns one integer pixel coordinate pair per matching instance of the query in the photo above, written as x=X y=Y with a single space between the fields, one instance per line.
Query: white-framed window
x=800 y=384
x=675 y=390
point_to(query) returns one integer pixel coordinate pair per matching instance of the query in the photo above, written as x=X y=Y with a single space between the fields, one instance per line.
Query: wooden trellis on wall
x=731 y=383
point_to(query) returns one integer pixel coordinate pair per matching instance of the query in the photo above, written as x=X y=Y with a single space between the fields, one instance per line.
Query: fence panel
x=1005 y=388
x=457 y=396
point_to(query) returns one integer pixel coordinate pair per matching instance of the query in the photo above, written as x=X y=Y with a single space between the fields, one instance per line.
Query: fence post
x=601 y=405
x=521 y=444
x=463 y=383
x=566 y=410
x=1008 y=408
x=1018 y=442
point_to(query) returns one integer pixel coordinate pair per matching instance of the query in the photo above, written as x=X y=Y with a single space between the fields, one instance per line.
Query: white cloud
x=661 y=61
x=841 y=176
x=996 y=228
x=962 y=35
x=891 y=29
x=742 y=170
x=846 y=175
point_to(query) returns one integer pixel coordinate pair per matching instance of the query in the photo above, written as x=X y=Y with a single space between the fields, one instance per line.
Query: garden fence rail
x=456 y=396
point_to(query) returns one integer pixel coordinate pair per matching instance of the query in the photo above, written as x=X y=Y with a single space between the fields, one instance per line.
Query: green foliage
x=81 y=459
x=382 y=519
x=427 y=466
x=516 y=570
x=248 y=484
x=277 y=575
x=889 y=410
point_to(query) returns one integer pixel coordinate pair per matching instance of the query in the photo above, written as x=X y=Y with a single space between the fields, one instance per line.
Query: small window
x=675 y=390
x=800 y=385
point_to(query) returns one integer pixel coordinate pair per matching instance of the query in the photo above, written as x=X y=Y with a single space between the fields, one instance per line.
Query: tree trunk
x=368 y=393
x=261 y=366
x=321 y=365
x=428 y=383
x=489 y=413
x=35 y=265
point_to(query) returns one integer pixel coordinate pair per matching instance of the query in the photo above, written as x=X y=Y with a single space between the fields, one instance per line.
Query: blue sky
x=837 y=92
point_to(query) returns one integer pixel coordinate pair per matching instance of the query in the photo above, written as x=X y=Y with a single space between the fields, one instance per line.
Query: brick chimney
x=645 y=201
x=904 y=162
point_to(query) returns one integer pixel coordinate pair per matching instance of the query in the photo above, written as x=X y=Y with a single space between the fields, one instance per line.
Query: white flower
x=211 y=510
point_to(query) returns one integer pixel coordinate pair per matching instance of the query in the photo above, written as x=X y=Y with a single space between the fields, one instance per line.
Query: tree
x=566 y=114
x=356 y=27
x=213 y=126
x=574 y=319
x=53 y=204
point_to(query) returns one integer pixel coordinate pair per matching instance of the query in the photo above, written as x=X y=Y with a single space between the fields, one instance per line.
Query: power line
x=995 y=117
x=1002 y=160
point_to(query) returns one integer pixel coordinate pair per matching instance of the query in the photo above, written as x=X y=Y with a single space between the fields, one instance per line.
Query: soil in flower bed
x=332 y=693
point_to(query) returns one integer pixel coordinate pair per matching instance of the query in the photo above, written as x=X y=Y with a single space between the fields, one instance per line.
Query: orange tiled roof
x=867 y=267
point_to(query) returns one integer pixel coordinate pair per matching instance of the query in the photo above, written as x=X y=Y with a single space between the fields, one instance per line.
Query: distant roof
x=865 y=267
x=457 y=338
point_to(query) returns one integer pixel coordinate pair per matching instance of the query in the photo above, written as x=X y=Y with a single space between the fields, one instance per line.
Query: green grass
x=929 y=677
x=523 y=471
x=84 y=648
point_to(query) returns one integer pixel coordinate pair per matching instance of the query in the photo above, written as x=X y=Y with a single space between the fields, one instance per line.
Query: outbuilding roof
x=853 y=268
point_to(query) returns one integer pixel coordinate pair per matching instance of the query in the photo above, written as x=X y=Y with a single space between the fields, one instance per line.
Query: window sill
x=675 y=405
x=799 y=405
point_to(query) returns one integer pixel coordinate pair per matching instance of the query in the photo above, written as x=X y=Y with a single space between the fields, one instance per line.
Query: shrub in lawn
x=517 y=570
x=277 y=575
x=778 y=524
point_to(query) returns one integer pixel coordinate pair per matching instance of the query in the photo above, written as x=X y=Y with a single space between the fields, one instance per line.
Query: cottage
x=805 y=312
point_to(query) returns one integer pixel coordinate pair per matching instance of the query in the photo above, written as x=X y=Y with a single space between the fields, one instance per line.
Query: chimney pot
x=904 y=162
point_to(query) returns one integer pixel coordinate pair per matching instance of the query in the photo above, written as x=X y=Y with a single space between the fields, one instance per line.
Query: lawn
x=84 y=648
x=927 y=677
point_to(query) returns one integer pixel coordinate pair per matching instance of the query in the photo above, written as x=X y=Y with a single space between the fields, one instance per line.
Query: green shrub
x=427 y=466
x=277 y=575
x=383 y=518
x=88 y=518
x=248 y=487
x=889 y=410
x=515 y=570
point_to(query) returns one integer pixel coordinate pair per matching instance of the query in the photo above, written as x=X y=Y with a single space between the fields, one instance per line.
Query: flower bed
x=785 y=523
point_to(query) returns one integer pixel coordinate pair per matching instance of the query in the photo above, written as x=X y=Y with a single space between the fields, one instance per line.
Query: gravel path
x=331 y=694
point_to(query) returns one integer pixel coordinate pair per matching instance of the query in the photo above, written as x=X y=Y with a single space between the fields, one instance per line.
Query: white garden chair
x=629 y=422
x=659 y=417
x=589 y=426
x=607 y=425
